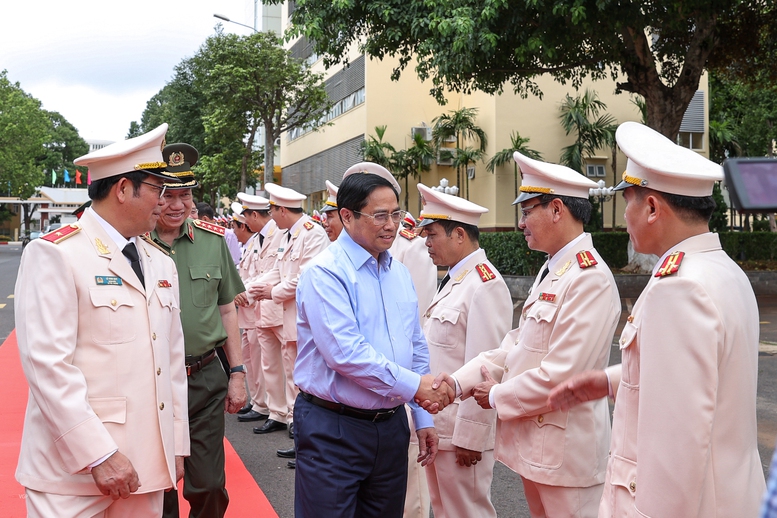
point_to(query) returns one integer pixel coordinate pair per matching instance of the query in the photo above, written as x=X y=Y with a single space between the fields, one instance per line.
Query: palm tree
x=464 y=157
x=458 y=124
x=517 y=143
x=576 y=116
x=723 y=141
x=375 y=150
x=413 y=161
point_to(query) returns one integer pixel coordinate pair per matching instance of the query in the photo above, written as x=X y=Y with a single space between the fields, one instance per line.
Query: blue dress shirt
x=359 y=341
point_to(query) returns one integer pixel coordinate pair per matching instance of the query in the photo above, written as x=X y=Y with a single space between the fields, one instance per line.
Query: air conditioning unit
x=445 y=156
x=452 y=138
x=424 y=131
x=471 y=172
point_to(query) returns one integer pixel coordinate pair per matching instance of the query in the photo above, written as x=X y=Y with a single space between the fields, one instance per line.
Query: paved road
x=277 y=482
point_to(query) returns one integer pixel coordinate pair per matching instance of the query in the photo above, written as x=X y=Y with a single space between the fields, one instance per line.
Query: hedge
x=511 y=256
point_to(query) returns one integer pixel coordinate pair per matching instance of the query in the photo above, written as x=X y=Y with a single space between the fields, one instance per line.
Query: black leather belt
x=376 y=416
x=195 y=364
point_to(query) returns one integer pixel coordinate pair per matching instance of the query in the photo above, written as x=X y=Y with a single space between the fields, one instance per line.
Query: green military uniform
x=208 y=279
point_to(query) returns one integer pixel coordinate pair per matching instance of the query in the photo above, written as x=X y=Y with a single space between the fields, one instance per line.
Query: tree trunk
x=247 y=156
x=269 y=151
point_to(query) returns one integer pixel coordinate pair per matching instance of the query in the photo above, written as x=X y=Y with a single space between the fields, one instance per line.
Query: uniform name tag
x=104 y=280
x=280 y=250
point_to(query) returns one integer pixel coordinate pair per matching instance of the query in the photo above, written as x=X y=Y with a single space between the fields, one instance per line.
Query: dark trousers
x=204 y=480
x=348 y=467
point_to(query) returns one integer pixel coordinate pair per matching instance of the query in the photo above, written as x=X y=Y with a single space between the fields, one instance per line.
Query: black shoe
x=291 y=431
x=244 y=410
x=271 y=425
x=292 y=464
x=291 y=453
x=253 y=415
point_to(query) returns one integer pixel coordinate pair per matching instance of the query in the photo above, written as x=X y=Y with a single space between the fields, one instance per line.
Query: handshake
x=434 y=394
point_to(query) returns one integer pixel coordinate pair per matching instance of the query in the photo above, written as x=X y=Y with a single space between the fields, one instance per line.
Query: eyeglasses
x=162 y=188
x=525 y=210
x=381 y=218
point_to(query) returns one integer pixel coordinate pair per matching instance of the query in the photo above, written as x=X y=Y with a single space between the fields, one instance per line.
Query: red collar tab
x=407 y=234
x=586 y=259
x=485 y=272
x=671 y=264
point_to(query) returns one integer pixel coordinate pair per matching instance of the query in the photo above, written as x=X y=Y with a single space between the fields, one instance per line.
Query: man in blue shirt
x=361 y=356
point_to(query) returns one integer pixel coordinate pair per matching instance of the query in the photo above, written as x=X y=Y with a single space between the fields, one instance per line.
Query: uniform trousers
x=271 y=340
x=557 y=501
x=417 y=498
x=289 y=354
x=204 y=479
x=252 y=359
x=349 y=467
x=461 y=491
x=48 y=505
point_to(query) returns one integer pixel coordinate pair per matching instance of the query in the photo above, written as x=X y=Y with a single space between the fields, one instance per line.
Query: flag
x=88 y=177
x=67 y=176
x=53 y=177
x=78 y=177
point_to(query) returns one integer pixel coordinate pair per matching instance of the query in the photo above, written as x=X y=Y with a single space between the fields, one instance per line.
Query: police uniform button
x=507 y=369
x=153 y=336
x=113 y=302
x=161 y=406
x=158 y=371
x=631 y=318
x=623 y=341
x=632 y=486
x=541 y=418
x=207 y=275
x=172 y=252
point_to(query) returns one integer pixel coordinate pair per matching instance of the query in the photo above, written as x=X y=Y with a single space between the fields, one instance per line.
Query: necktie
x=261 y=240
x=545 y=272
x=444 y=282
x=131 y=253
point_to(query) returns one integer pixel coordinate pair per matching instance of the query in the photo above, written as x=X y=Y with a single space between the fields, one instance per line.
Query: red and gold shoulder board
x=407 y=234
x=485 y=272
x=60 y=234
x=671 y=264
x=586 y=259
x=308 y=225
x=210 y=227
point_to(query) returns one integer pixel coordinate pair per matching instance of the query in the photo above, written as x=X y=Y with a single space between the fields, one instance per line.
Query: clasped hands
x=261 y=291
x=443 y=380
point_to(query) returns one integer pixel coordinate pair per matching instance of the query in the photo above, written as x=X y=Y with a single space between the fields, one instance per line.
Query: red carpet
x=246 y=499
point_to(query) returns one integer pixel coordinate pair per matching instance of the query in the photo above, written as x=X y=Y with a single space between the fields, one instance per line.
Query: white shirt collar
x=458 y=266
x=114 y=234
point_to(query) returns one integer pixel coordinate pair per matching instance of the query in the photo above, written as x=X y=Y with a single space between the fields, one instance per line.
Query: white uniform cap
x=656 y=162
x=139 y=153
x=237 y=212
x=331 y=202
x=253 y=202
x=538 y=178
x=284 y=197
x=438 y=205
x=373 y=168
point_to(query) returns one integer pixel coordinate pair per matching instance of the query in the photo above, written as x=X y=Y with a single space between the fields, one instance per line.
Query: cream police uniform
x=299 y=245
x=566 y=327
x=684 y=439
x=103 y=354
x=249 y=269
x=469 y=315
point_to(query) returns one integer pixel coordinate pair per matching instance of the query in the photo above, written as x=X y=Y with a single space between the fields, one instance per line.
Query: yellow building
x=365 y=97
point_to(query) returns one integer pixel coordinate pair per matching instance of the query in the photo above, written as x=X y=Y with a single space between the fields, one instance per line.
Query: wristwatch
x=238 y=368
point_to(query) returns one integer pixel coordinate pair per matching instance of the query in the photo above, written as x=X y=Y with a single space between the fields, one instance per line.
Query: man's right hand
x=580 y=388
x=116 y=477
x=433 y=400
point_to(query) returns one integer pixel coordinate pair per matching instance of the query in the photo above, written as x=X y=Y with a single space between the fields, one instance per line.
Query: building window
x=691 y=140
x=595 y=171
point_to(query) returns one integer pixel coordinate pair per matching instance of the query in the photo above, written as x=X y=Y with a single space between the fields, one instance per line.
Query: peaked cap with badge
x=237 y=212
x=284 y=197
x=179 y=160
x=538 y=178
x=373 y=168
x=441 y=206
x=142 y=153
x=331 y=202
x=253 y=202
x=656 y=162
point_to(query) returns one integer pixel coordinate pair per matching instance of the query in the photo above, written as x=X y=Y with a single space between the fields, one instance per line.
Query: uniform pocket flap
x=166 y=297
x=542 y=311
x=628 y=335
x=623 y=472
x=110 y=409
x=558 y=419
x=206 y=272
x=446 y=314
x=110 y=297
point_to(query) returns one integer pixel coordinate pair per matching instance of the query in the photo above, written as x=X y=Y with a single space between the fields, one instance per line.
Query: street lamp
x=604 y=194
x=222 y=17
x=447 y=189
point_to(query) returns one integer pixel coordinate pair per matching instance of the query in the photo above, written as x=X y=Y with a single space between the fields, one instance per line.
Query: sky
x=98 y=62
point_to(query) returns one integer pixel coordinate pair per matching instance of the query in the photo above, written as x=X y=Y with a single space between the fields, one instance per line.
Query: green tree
x=460 y=125
x=661 y=48
x=411 y=162
x=505 y=156
x=63 y=145
x=24 y=129
x=375 y=149
x=723 y=141
x=719 y=219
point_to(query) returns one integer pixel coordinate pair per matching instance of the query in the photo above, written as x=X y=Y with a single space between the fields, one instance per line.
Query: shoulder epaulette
x=585 y=259
x=485 y=272
x=62 y=233
x=147 y=238
x=308 y=225
x=210 y=227
x=671 y=264
x=407 y=234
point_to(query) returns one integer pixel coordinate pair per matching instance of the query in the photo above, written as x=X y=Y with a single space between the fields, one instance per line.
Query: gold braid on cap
x=150 y=165
x=541 y=190
x=633 y=180
x=330 y=203
x=181 y=174
x=424 y=215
